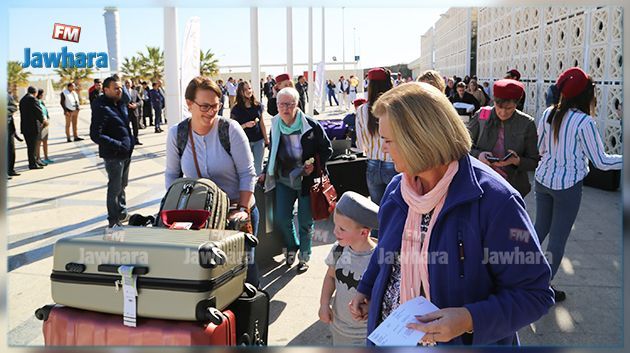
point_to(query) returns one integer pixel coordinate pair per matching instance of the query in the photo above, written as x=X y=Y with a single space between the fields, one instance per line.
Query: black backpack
x=182 y=137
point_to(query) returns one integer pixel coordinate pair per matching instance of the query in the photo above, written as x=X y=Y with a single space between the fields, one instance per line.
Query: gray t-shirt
x=348 y=272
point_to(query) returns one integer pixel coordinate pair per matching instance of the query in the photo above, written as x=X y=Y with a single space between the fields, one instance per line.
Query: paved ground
x=67 y=199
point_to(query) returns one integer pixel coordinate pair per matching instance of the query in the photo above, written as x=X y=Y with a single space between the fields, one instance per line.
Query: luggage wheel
x=43 y=312
x=249 y=290
x=245 y=340
x=251 y=240
x=215 y=316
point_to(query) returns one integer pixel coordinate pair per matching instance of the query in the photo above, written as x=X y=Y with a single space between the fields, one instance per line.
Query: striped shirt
x=565 y=163
x=370 y=144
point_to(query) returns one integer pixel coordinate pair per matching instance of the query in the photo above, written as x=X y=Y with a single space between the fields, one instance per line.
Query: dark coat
x=110 y=129
x=31 y=115
x=520 y=136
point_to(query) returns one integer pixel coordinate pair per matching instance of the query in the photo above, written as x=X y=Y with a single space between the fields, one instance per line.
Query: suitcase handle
x=139 y=270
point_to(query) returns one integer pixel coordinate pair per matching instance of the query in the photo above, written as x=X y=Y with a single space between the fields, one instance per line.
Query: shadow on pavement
x=318 y=334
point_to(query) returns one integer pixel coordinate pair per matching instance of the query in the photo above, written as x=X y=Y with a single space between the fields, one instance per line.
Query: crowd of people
x=444 y=192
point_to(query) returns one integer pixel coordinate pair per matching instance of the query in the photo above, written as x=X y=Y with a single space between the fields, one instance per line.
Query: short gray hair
x=289 y=91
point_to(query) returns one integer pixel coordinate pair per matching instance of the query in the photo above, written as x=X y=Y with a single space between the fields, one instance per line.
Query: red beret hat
x=572 y=82
x=377 y=74
x=515 y=73
x=357 y=102
x=508 y=89
x=282 y=77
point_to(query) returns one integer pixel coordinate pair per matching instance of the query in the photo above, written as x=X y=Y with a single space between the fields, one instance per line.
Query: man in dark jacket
x=110 y=130
x=461 y=96
x=11 y=109
x=157 y=101
x=302 y=88
x=31 y=122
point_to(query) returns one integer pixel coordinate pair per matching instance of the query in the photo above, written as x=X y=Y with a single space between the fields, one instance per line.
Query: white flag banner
x=190 y=59
x=320 y=98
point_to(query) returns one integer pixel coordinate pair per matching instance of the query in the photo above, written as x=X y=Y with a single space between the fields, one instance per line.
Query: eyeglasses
x=286 y=105
x=206 y=107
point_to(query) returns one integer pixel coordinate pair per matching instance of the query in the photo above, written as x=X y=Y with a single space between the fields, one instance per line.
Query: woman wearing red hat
x=380 y=166
x=282 y=81
x=505 y=138
x=567 y=139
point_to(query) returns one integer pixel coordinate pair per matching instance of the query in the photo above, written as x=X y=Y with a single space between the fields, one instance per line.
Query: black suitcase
x=252 y=317
x=602 y=179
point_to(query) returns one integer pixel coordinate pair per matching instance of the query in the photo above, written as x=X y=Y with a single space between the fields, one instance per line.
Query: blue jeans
x=331 y=94
x=252 y=267
x=258 y=150
x=118 y=176
x=556 y=211
x=283 y=219
x=158 y=117
x=378 y=175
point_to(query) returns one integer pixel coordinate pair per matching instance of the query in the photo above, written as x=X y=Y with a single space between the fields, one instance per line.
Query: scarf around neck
x=278 y=128
x=414 y=250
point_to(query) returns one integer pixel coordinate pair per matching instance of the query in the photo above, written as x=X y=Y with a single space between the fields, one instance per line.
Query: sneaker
x=290 y=258
x=302 y=267
x=558 y=295
x=77 y=138
x=48 y=161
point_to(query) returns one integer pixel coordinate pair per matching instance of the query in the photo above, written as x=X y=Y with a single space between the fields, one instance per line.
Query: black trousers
x=147 y=112
x=135 y=121
x=11 y=153
x=31 y=144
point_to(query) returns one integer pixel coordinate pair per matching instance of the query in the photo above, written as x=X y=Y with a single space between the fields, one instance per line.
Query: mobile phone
x=492 y=159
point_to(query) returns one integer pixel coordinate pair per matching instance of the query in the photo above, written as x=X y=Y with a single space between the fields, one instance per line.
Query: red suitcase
x=65 y=326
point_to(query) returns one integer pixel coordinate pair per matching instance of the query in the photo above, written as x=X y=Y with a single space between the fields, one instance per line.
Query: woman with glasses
x=297 y=142
x=249 y=113
x=232 y=170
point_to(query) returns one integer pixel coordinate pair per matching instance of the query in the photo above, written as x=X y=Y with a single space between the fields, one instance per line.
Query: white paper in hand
x=394 y=332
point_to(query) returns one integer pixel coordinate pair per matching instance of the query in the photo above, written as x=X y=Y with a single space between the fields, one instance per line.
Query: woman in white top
x=567 y=139
x=380 y=166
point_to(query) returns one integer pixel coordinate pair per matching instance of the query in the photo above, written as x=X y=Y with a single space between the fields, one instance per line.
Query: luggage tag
x=181 y=225
x=130 y=293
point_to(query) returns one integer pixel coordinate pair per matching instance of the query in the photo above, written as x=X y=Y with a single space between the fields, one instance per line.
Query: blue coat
x=484 y=214
x=110 y=128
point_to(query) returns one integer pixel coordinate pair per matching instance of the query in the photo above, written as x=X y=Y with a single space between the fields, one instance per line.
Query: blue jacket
x=110 y=130
x=484 y=214
x=157 y=99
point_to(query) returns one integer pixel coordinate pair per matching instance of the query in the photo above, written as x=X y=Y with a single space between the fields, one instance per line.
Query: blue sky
x=381 y=36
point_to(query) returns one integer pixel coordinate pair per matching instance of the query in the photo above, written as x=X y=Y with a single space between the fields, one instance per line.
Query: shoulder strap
x=337 y=252
x=224 y=135
x=182 y=136
x=194 y=152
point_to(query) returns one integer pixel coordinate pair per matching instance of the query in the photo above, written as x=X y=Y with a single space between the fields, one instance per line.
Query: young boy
x=355 y=216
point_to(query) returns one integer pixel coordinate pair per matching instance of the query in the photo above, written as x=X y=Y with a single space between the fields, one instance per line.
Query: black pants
x=302 y=104
x=147 y=112
x=31 y=144
x=11 y=152
x=135 y=120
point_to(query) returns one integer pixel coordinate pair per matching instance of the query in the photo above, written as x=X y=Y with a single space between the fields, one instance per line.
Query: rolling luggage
x=335 y=129
x=64 y=326
x=197 y=194
x=252 y=317
x=181 y=274
x=602 y=179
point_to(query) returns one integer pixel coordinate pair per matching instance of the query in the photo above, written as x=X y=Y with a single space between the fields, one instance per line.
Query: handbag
x=323 y=195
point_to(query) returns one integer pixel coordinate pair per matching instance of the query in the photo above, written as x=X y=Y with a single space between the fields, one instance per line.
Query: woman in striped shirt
x=567 y=139
x=380 y=166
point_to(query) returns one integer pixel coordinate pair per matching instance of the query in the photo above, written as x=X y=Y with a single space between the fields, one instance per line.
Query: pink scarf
x=414 y=270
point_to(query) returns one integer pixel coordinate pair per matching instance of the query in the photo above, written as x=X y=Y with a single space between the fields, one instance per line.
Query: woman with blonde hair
x=433 y=78
x=442 y=222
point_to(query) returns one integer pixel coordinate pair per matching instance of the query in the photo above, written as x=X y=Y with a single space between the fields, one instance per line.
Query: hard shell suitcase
x=180 y=273
x=65 y=326
x=197 y=194
x=608 y=180
x=252 y=317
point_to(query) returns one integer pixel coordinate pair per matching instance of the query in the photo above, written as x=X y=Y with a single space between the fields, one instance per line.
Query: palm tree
x=209 y=66
x=75 y=75
x=132 y=68
x=17 y=77
x=153 y=63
